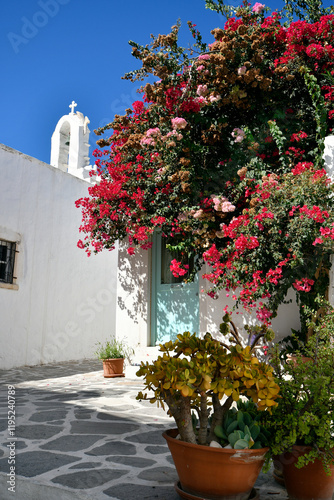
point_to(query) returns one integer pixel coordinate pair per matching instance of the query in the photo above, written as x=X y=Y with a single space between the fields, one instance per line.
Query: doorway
x=175 y=305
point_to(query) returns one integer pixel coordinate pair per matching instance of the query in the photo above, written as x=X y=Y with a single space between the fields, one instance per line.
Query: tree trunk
x=203 y=420
x=181 y=412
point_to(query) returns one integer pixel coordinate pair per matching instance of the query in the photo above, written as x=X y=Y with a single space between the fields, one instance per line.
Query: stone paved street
x=81 y=436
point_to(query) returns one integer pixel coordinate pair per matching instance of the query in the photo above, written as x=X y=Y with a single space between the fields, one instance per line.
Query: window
x=167 y=277
x=7 y=259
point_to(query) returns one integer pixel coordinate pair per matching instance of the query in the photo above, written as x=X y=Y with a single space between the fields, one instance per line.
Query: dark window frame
x=7 y=261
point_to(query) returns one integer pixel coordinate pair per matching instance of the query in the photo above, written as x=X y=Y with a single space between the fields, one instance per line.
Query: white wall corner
x=329 y=155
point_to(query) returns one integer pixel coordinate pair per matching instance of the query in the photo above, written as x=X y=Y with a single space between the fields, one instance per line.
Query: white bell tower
x=70 y=145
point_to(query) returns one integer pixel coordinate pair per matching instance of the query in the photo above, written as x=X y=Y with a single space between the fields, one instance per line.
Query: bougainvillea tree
x=223 y=155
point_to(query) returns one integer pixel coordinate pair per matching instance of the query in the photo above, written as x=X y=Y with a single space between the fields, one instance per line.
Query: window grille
x=7 y=259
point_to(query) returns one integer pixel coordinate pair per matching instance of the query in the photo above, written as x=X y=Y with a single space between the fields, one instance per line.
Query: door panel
x=175 y=305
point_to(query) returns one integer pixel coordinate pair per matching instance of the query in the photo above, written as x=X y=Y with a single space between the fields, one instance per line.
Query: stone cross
x=72 y=106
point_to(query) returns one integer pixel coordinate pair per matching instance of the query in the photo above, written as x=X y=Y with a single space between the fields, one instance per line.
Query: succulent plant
x=241 y=429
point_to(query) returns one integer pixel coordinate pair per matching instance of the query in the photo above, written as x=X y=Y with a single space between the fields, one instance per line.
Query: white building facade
x=55 y=302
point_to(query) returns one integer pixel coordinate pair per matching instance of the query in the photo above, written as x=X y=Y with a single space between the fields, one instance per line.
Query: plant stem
x=219 y=412
x=203 y=420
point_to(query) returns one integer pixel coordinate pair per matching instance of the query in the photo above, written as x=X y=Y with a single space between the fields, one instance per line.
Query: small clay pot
x=113 y=367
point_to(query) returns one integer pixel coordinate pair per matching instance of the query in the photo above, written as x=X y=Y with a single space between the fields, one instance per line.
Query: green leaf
x=234 y=437
x=247 y=431
x=219 y=432
x=241 y=444
x=232 y=427
x=225 y=420
x=247 y=419
x=240 y=420
x=255 y=431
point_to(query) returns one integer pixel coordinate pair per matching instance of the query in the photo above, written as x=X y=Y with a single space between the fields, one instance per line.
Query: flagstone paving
x=81 y=436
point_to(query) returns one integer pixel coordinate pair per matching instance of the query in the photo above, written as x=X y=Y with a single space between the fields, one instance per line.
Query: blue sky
x=56 y=51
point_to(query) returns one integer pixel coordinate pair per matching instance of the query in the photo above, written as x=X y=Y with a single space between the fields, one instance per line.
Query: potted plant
x=113 y=353
x=301 y=425
x=222 y=457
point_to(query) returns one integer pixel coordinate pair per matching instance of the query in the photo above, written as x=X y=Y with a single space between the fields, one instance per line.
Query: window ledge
x=9 y=286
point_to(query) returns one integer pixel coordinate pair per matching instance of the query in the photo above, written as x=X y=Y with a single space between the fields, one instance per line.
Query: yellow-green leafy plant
x=207 y=376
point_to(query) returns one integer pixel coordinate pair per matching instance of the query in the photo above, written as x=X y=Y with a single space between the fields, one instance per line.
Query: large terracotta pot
x=113 y=367
x=308 y=483
x=215 y=473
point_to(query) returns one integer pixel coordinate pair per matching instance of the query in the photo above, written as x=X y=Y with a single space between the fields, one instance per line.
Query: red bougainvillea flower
x=177 y=270
x=303 y=285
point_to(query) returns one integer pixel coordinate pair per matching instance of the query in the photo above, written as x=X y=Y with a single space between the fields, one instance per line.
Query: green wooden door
x=175 y=305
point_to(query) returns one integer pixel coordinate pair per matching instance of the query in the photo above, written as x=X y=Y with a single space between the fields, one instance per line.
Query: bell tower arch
x=70 y=144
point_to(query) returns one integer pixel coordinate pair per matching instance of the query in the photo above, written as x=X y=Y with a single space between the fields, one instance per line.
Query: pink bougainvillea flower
x=258 y=7
x=242 y=70
x=238 y=135
x=214 y=98
x=179 y=123
x=202 y=90
x=153 y=132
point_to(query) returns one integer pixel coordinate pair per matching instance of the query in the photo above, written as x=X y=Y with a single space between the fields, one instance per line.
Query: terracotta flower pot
x=214 y=473
x=308 y=483
x=113 y=367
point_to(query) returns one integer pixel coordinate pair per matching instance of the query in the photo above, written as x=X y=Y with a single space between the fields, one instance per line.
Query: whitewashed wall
x=329 y=160
x=65 y=301
x=133 y=321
